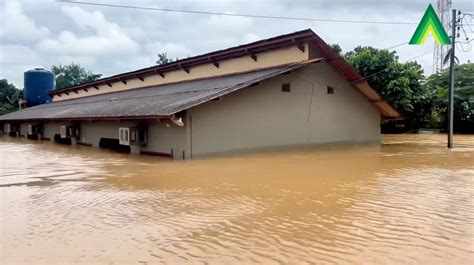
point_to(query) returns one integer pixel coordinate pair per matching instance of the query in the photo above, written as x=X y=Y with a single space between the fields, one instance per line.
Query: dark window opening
x=32 y=136
x=286 y=87
x=113 y=144
x=59 y=140
x=330 y=90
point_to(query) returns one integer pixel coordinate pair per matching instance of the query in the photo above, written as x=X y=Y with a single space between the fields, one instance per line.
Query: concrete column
x=40 y=136
x=73 y=141
x=135 y=149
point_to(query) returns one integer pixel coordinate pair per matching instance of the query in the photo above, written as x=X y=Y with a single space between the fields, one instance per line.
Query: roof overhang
x=149 y=103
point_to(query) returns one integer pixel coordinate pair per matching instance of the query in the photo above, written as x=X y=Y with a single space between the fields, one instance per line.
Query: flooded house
x=286 y=91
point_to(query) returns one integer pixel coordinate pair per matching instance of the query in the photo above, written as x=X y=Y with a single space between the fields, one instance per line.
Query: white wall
x=263 y=116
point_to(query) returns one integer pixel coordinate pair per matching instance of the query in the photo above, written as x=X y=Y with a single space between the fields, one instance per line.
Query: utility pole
x=451 y=82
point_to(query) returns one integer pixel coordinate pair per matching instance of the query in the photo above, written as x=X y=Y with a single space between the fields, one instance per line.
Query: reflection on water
x=409 y=201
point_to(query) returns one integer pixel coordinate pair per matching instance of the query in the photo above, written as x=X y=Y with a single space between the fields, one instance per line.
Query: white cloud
x=172 y=49
x=114 y=40
x=16 y=59
x=15 y=25
x=18 y=55
x=106 y=39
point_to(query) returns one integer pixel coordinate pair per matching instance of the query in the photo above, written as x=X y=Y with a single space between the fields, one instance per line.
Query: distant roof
x=295 y=38
x=147 y=103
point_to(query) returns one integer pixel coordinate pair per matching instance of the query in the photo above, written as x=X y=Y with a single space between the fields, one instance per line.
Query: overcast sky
x=42 y=33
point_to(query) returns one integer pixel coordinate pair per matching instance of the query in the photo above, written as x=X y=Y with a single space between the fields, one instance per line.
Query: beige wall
x=92 y=131
x=162 y=139
x=50 y=129
x=246 y=63
x=23 y=129
x=263 y=116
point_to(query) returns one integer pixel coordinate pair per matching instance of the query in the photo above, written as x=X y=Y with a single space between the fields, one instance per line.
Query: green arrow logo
x=430 y=24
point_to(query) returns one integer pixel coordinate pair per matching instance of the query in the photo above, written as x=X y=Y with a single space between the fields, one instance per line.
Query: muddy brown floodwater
x=408 y=201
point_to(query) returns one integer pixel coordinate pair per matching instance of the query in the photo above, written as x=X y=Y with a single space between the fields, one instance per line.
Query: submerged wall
x=258 y=117
x=264 y=117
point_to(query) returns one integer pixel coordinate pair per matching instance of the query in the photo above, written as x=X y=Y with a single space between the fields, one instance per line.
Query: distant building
x=290 y=90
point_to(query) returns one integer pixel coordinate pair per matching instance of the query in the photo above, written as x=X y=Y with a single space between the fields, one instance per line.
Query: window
x=330 y=90
x=286 y=87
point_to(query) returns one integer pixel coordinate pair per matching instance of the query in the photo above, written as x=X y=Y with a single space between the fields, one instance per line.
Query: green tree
x=463 y=98
x=399 y=83
x=7 y=93
x=336 y=48
x=163 y=59
x=72 y=75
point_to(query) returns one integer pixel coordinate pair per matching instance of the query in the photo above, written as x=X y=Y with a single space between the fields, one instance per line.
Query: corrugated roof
x=151 y=102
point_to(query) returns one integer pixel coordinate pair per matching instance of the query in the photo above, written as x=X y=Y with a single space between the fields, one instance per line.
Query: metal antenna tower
x=443 y=8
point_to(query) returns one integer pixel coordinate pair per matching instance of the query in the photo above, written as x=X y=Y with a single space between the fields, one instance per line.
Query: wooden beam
x=252 y=55
x=160 y=73
x=59 y=95
x=96 y=87
x=186 y=69
x=301 y=47
x=85 y=89
x=216 y=64
x=66 y=93
x=124 y=81
x=109 y=84
x=141 y=78
x=75 y=91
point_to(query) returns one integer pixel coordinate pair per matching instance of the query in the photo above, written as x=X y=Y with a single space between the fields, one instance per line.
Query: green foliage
x=163 y=59
x=336 y=48
x=463 y=98
x=7 y=91
x=399 y=83
x=72 y=75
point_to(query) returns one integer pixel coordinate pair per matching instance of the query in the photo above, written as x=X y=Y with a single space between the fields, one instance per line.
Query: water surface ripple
x=408 y=201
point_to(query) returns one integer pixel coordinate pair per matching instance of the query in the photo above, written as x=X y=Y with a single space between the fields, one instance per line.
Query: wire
x=239 y=15
x=395 y=46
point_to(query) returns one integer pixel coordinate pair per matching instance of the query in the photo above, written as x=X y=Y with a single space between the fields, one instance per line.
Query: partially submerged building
x=289 y=90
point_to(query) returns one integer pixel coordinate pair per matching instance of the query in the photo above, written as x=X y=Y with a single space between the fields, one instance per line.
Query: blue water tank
x=38 y=82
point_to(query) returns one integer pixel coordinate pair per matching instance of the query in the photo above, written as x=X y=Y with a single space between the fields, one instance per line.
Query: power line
x=395 y=46
x=238 y=14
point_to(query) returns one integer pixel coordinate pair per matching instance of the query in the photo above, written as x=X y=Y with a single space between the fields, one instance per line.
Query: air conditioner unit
x=132 y=136
x=67 y=131
x=7 y=127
